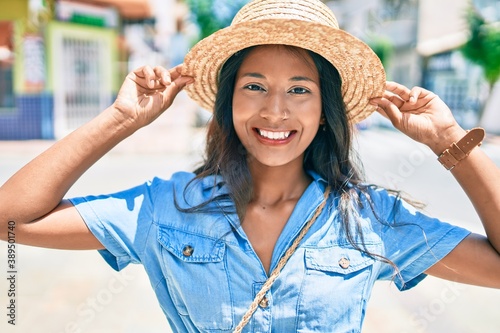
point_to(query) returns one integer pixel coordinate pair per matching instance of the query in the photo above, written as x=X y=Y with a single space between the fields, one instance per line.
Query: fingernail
x=152 y=83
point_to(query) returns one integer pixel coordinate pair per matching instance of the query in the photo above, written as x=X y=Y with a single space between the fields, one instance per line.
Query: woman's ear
x=322 y=120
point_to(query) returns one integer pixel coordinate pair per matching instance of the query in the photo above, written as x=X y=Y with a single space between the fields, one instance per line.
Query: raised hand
x=420 y=114
x=147 y=92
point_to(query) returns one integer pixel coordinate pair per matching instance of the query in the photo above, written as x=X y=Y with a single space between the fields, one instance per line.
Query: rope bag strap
x=274 y=275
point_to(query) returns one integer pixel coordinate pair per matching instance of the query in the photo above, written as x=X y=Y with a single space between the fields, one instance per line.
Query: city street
x=76 y=292
x=63 y=62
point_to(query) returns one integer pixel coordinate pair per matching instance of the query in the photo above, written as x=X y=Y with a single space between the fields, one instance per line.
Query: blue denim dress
x=205 y=272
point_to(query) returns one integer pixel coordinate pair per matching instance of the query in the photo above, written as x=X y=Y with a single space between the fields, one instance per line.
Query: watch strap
x=461 y=149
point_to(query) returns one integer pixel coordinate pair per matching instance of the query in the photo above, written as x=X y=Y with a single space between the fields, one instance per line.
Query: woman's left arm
x=424 y=117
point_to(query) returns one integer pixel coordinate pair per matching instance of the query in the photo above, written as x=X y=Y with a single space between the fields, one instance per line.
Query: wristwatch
x=461 y=149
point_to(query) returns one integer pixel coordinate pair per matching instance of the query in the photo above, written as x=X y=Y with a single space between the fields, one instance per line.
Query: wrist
x=120 y=121
x=444 y=139
x=459 y=150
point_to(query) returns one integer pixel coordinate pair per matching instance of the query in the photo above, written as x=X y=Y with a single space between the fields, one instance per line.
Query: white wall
x=491 y=117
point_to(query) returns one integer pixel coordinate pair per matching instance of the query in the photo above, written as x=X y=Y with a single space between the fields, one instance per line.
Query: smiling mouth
x=274 y=135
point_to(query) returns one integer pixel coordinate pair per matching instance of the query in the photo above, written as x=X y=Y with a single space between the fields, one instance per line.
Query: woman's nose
x=275 y=108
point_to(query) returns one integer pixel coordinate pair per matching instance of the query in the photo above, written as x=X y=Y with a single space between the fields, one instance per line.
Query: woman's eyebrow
x=302 y=78
x=294 y=78
x=254 y=74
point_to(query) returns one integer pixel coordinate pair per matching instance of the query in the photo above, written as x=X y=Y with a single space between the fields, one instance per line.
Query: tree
x=483 y=47
x=212 y=15
x=383 y=48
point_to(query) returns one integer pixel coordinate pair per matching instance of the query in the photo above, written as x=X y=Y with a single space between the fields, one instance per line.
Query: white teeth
x=274 y=135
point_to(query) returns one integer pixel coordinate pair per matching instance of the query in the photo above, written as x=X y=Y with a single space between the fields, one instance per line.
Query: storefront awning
x=131 y=9
x=442 y=26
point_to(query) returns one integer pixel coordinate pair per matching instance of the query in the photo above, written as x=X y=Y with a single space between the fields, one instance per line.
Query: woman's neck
x=272 y=185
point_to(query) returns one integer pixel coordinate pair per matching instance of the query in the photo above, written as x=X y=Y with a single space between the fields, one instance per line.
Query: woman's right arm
x=32 y=198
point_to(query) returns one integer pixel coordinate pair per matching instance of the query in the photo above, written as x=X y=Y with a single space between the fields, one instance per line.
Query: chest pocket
x=197 y=279
x=338 y=282
x=336 y=259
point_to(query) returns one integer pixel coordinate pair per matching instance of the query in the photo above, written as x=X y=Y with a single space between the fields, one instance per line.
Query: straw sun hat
x=308 y=24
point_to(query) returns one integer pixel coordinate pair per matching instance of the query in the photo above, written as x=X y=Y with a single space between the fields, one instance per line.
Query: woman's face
x=277 y=104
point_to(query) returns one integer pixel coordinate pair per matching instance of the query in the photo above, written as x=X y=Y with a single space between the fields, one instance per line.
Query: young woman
x=276 y=231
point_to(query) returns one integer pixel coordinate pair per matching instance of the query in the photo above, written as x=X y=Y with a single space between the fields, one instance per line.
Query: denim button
x=344 y=263
x=264 y=303
x=187 y=251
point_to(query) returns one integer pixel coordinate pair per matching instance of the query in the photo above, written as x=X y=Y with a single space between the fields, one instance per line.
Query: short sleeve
x=412 y=240
x=120 y=221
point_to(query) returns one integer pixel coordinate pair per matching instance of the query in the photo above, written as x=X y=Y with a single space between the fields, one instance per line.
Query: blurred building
x=389 y=27
x=422 y=41
x=386 y=25
x=443 y=30
x=59 y=62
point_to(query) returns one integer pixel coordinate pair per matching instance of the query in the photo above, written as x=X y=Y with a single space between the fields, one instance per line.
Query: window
x=7 y=100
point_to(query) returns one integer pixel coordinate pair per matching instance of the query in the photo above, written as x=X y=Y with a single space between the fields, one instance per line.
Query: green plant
x=382 y=47
x=212 y=15
x=483 y=46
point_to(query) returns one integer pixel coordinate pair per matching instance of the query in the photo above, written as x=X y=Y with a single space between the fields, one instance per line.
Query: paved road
x=70 y=291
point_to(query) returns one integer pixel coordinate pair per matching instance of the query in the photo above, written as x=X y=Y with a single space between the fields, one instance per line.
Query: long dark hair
x=330 y=154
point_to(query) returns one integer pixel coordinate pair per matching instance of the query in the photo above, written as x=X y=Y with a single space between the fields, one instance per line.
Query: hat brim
x=362 y=73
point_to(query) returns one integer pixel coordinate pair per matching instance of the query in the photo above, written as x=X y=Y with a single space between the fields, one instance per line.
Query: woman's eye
x=253 y=87
x=299 y=91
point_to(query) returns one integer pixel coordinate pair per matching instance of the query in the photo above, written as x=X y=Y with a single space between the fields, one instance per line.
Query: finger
x=147 y=74
x=398 y=89
x=163 y=75
x=394 y=99
x=179 y=83
x=176 y=74
x=388 y=109
x=415 y=93
x=173 y=89
x=382 y=113
x=176 y=71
